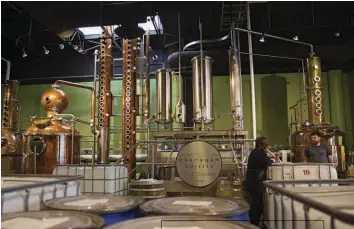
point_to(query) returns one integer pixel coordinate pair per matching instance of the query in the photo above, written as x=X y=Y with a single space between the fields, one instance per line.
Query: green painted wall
x=272 y=119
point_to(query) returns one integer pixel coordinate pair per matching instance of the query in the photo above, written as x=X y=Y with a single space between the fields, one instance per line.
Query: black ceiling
x=312 y=22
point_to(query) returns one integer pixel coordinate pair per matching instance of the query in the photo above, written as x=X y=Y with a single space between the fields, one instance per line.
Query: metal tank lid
x=195 y=205
x=146 y=182
x=198 y=57
x=98 y=204
x=51 y=219
x=163 y=70
x=180 y=222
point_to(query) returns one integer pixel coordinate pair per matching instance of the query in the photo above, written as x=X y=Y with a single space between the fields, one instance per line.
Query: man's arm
x=329 y=154
x=307 y=155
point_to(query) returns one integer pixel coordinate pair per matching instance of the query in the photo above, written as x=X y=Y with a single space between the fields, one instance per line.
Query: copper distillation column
x=331 y=135
x=314 y=90
x=11 y=152
x=130 y=49
x=105 y=95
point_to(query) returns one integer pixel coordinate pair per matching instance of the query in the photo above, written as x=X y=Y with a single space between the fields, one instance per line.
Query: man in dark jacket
x=258 y=162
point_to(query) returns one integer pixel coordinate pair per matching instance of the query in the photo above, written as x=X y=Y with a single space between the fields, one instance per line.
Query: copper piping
x=93 y=101
x=147 y=80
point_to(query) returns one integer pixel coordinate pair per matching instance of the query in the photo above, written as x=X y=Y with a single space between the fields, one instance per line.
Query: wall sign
x=198 y=164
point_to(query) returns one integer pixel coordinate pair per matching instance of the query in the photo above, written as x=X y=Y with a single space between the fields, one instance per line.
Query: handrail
x=62 y=179
x=332 y=212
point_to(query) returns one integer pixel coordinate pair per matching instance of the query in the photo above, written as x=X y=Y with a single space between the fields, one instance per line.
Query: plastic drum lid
x=191 y=205
x=182 y=222
x=95 y=204
x=51 y=219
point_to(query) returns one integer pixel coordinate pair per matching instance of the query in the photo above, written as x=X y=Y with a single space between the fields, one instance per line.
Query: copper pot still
x=51 y=140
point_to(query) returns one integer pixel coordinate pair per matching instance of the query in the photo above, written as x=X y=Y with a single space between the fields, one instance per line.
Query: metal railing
x=281 y=188
x=57 y=180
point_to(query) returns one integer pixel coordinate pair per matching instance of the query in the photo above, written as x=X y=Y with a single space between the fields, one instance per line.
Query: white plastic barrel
x=98 y=179
x=301 y=171
x=336 y=197
x=32 y=199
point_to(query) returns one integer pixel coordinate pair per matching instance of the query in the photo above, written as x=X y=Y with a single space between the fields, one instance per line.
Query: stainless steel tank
x=235 y=86
x=163 y=96
x=202 y=90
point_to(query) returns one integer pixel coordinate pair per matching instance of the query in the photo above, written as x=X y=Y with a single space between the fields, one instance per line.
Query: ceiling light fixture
x=337 y=34
x=75 y=47
x=295 y=38
x=80 y=50
x=24 y=54
x=61 y=46
x=46 y=51
x=261 y=39
x=155 y=57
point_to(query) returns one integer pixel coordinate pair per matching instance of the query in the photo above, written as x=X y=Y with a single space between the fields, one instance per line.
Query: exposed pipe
x=8 y=68
x=147 y=73
x=93 y=101
x=179 y=59
x=224 y=38
x=95 y=89
x=253 y=93
x=114 y=157
x=249 y=31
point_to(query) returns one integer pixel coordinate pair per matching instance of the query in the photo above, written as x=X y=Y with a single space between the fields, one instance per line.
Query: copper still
x=51 y=140
x=129 y=109
x=330 y=134
x=105 y=96
x=11 y=144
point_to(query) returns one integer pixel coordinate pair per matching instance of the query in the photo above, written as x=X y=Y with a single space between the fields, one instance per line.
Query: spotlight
x=46 y=51
x=80 y=50
x=261 y=39
x=75 y=47
x=337 y=34
x=295 y=38
x=24 y=54
x=61 y=46
x=155 y=57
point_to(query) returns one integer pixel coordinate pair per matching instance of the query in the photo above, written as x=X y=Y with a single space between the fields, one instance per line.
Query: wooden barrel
x=228 y=188
x=147 y=189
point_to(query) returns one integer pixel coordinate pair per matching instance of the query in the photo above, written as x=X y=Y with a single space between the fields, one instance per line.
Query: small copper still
x=51 y=140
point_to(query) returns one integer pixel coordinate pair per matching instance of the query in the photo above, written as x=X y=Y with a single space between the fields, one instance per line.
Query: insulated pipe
x=253 y=93
x=93 y=100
